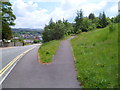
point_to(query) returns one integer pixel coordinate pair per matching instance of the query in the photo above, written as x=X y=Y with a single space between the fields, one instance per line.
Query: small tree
x=7 y=20
x=87 y=25
x=47 y=34
x=6 y=32
x=91 y=16
x=111 y=27
x=78 y=21
x=102 y=20
x=117 y=19
x=53 y=31
x=59 y=30
x=68 y=27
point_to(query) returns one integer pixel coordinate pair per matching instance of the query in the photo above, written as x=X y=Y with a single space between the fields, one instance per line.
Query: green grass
x=66 y=37
x=48 y=50
x=96 y=54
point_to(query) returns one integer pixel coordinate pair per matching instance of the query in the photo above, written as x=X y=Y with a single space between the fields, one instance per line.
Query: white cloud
x=69 y=0
x=113 y=10
x=93 y=7
x=30 y=14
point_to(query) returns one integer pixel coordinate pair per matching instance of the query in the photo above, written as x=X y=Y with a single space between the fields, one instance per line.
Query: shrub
x=79 y=31
x=111 y=28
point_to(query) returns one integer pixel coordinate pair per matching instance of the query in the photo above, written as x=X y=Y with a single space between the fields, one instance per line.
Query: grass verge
x=48 y=50
x=96 y=54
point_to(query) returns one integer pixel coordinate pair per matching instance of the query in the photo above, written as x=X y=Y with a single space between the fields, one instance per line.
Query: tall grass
x=96 y=54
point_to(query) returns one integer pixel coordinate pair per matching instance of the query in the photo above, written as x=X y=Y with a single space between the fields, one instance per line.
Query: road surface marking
x=12 y=62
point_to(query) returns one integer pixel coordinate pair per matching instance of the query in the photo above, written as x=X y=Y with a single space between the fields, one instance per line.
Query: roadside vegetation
x=95 y=47
x=57 y=30
x=96 y=54
x=48 y=50
x=7 y=20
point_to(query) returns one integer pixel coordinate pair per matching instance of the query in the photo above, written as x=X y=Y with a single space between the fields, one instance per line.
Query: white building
x=28 y=41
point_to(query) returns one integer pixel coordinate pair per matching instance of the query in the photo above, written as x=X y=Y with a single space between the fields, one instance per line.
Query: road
x=9 y=54
x=28 y=73
x=9 y=58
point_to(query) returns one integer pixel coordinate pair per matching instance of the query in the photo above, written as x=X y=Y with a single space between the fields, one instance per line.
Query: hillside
x=27 y=33
x=26 y=29
x=96 y=54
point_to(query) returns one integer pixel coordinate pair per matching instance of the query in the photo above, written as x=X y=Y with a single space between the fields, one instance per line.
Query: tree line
x=60 y=29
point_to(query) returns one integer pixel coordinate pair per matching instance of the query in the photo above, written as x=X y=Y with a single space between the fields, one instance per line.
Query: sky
x=37 y=13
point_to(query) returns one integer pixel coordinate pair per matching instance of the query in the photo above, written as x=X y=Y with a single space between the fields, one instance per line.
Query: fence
x=10 y=44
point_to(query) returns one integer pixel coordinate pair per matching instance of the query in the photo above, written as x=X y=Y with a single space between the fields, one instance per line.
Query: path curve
x=28 y=73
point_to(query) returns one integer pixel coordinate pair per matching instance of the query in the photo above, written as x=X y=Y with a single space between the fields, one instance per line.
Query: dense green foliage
x=116 y=19
x=102 y=20
x=95 y=51
x=91 y=22
x=47 y=52
x=91 y=16
x=56 y=31
x=78 y=22
x=6 y=31
x=96 y=54
x=37 y=41
x=7 y=20
x=68 y=27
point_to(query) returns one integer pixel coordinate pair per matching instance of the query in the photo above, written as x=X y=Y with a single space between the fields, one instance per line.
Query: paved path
x=28 y=73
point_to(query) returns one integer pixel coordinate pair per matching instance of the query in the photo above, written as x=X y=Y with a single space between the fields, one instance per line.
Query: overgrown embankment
x=96 y=54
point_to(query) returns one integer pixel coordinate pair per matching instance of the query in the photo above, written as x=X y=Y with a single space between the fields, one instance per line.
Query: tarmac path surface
x=28 y=73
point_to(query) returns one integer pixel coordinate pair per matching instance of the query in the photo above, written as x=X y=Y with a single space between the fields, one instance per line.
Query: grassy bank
x=48 y=50
x=96 y=54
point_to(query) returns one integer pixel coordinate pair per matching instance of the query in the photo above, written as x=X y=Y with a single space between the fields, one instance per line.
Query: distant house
x=40 y=37
x=16 y=38
x=28 y=41
x=9 y=41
